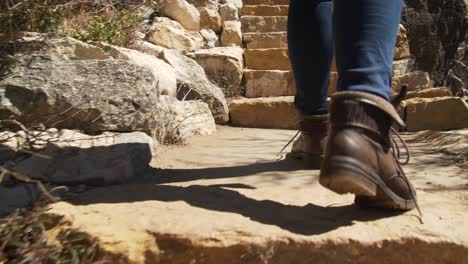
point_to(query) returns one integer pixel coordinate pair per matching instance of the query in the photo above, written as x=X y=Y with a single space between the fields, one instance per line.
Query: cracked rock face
x=435 y=30
x=90 y=95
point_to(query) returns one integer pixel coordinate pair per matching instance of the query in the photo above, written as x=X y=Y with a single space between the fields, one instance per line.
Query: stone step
x=266 y=112
x=275 y=83
x=267 y=59
x=265 y=10
x=266 y=40
x=264 y=24
x=266 y=2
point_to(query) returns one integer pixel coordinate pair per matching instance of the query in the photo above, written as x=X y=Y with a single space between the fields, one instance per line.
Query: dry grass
x=34 y=236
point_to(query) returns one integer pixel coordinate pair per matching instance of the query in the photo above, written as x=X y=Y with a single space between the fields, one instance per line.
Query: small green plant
x=110 y=21
x=115 y=29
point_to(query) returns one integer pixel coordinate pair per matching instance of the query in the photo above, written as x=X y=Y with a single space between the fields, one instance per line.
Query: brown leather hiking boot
x=311 y=143
x=360 y=156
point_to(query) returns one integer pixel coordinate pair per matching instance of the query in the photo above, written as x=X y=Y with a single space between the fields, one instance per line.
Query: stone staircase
x=268 y=79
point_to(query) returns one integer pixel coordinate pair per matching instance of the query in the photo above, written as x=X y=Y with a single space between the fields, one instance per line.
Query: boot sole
x=344 y=175
x=347 y=175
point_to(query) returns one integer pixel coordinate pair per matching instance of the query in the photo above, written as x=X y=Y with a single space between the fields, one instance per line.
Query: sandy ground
x=232 y=198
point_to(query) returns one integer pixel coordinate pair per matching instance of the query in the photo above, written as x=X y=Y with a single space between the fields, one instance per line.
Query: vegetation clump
x=109 y=21
x=34 y=236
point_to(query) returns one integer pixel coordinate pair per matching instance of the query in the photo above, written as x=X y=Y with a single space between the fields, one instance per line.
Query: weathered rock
x=265 y=40
x=269 y=83
x=223 y=66
x=147 y=47
x=264 y=24
x=237 y=3
x=440 y=113
x=210 y=37
x=435 y=31
x=211 y=4
x=210 y=19
x=267 y=59
x=90 y=95
x=268 y=112
x=186 y=119
x=232 y=34
x=75 y=158
x=163 y=73
x=429 y=93
x=229 y=12
x=170 y=34
x=183 y=12
x=54 y=47
x=194 y=85
x=265 y=10
x=416 y=80
x=402 y=67
x=402 y=50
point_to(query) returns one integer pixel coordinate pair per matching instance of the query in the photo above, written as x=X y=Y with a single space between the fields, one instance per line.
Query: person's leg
x=359 y=156
x=310 y=37
x=310 y=42
x=365 y=33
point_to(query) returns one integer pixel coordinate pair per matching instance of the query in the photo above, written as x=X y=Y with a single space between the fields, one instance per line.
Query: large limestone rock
x=163 y=72
x=440 y=113
x=210 y=19
x=229 y=12
x=211 y=4
x=232 y=34
x=269 y=83
x=237 y=3
x=267 y=59
x=265 y=10
x=268 y=112
x=264 y=24
x=265 y=40
x=170 y=34
x=71 y=158
x=210 y=37
x=416 y=80
x=54 y=47
x=429 y=93
x=194 y=85
x=402 y=67
x=147 y=47
x=183 y=12
x=90 y=95
x=223 y=66
x=402 y=50
x=185 y=119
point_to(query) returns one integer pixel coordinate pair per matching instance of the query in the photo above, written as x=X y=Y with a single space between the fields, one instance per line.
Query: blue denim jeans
x=362 y=34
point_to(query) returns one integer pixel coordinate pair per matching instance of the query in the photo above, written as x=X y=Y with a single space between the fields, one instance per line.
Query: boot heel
x=346 y=175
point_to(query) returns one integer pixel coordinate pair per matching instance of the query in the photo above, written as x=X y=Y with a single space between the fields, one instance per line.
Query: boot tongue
x=371 y=100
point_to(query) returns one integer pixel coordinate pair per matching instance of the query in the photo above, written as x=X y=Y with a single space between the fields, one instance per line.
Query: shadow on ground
x=305 y=220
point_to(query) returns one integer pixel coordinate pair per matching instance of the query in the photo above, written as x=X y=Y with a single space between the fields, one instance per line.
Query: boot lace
x=396 y=138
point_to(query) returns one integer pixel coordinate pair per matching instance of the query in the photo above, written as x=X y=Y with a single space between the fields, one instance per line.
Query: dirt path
x=229 y=198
